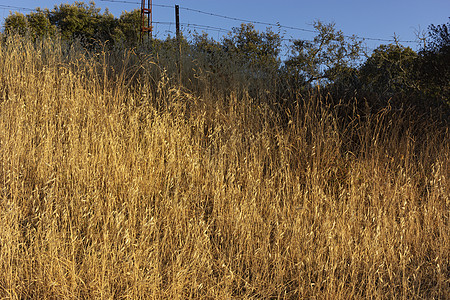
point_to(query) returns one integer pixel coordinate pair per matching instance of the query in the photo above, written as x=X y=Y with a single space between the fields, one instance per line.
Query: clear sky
x=377 y=19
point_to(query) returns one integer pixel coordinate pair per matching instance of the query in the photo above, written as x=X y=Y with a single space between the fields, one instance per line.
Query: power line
x=132 y=2
x=264 y=23
x=197 y=26
x=15 y=7
x=120 y=1
x=236 y=19
x=247 y=21
x=286 y=27
x=205 y=27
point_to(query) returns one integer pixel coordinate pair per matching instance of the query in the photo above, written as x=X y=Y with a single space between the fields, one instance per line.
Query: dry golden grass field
x=119 y=185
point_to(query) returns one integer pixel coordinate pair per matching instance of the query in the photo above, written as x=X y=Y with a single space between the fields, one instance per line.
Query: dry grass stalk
x=109 y=192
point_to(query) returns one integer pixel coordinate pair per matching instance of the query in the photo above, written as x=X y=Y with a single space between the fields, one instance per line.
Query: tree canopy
x=326 y=55
x=77 y=21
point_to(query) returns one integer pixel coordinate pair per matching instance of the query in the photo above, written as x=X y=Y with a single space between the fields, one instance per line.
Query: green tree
x=257 y=49
x=35 y=23
x=324 y=58
x=389 y=71
x=106 y=27
x=16 y=23
x=128 y=29
x=439 y=38
x=78 y=20
x=39 y=24
x=209 y=52
x=434 y=67
x=204 y=44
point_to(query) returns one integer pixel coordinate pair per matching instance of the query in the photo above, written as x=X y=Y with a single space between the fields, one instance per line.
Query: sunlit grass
x=120 y=185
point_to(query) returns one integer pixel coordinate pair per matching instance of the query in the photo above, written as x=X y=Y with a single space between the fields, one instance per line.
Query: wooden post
x=177 y=22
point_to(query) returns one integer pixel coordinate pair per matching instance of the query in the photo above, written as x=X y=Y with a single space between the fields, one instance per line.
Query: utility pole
x=177 y=20
x=146 y=15
x=177 y=23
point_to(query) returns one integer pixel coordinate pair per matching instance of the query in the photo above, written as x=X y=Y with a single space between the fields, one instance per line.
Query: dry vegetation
x=114 y=187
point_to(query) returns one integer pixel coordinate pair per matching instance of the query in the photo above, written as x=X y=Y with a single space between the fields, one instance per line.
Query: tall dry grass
x=117 y=185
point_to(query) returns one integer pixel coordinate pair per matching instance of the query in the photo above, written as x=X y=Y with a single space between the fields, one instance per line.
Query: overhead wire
x=287 y=27
x=5 y=7
x=264 y=23
x=133 y=2
x=198 y=26
x=247 y=21
x=240 y=20
x=2 y=6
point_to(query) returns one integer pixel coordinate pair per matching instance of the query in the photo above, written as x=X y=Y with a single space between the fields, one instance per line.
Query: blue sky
x=380 y=19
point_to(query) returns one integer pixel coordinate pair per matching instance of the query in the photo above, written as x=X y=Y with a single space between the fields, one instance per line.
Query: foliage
x=257 y=49
x=39 y=24
x=212 y=50
x=439 y=38
x=389 y=70
x=16 y=23
x=433 y=66
x=128 y=27
x=244 y=57
x=323 y=59
x=78 y=21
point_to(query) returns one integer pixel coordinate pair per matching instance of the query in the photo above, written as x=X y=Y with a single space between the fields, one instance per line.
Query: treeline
x=76 y=21
x=391 y=75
